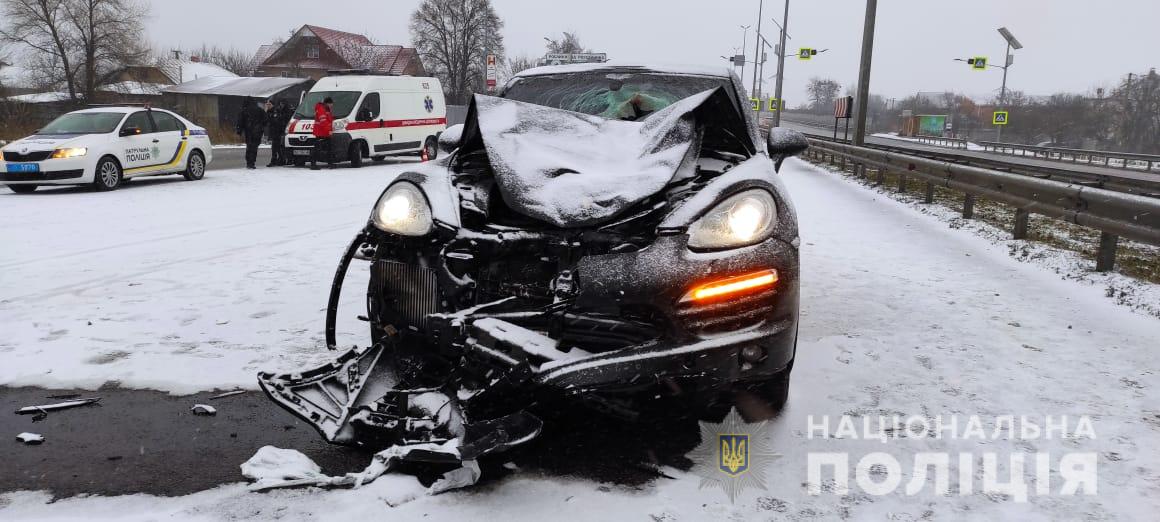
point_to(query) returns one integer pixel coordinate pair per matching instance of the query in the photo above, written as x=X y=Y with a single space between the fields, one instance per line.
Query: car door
x=369 y=121
x=171 y=139
x=139 y=153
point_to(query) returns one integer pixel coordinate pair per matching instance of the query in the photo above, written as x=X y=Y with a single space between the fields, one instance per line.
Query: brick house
x=312 y=51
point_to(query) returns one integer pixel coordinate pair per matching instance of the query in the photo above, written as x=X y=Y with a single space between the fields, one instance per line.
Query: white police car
x=103 y=146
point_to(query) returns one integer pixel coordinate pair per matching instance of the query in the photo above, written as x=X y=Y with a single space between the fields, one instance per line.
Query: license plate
x=301 y=152
x=23 y=167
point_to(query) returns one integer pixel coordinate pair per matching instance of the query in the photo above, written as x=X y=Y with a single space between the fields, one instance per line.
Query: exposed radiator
x=408 y=292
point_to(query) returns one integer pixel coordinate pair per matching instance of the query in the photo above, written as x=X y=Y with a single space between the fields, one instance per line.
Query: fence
x=1123 y=160
x=1114 y=214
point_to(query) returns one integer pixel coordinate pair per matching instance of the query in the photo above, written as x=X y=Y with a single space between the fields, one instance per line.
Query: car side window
x=166 y=122
x=369 y=110
x=139 y=120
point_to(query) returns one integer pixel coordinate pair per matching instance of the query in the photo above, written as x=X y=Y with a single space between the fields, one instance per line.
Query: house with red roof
x=312 y=51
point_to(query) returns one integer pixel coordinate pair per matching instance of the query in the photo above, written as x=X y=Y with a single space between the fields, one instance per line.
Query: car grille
x=725 y=316
x=409 y=293
x=31 y=156
x=303 y=141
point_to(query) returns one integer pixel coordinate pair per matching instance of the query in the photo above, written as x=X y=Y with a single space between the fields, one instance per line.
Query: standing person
x=323 y=126
x=250 y=125
x=277 y=120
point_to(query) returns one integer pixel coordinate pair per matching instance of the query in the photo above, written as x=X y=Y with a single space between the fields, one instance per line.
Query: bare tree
x=107 y=35
x=822 y=92
x=231 y=59
x=454 y=38
x=40 y=27
x=568 y=44
x=1136 y=124
x=519 y=63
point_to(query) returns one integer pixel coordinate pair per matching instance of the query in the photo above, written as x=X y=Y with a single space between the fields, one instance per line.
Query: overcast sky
x=1070 y=45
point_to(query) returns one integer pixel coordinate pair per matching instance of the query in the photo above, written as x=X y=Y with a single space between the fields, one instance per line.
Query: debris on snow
x=32 y=439
x=44 y=409
x=203 y=409
x=227 y=394
x=275 y=468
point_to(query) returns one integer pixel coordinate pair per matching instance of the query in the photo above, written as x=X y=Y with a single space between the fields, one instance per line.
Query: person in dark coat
x=277 y=118
x=323 y=127
x=251 y=124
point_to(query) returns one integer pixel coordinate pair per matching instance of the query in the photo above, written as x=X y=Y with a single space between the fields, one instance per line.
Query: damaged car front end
x=558 y=257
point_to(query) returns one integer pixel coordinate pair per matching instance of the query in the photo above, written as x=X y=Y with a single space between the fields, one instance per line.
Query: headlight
x=743 y=219
x=340 y=125
x=69 y=153
x=403 y=210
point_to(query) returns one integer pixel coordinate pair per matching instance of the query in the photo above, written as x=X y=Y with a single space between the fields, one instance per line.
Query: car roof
x=685 y=69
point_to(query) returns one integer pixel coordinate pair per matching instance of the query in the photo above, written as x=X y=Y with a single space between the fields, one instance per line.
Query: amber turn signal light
x=743 y=284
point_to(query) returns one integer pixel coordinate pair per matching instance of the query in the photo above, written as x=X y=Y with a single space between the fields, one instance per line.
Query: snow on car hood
x=41 y=142
x=571 y=169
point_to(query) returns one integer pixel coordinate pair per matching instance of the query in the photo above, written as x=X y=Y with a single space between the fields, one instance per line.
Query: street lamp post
x=757 y=50
x=780 y=68
x=1011 y=42
x=744 y=44
x=864 y=72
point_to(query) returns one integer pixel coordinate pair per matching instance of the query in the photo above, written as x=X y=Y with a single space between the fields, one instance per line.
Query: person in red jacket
x=323 y=127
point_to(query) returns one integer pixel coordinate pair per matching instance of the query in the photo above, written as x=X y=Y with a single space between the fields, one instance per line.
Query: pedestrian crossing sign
x=978 y=63
x=999 y=118
x=756 y=103
x=774 y=105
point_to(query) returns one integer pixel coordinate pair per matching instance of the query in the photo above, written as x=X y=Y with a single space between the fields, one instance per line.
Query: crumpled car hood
x=573 y=170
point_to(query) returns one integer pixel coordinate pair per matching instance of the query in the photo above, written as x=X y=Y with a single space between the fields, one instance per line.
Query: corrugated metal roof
x=243 y=86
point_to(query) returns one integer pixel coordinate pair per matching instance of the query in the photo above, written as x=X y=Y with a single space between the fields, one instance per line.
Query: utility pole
x=744 y=44
x=1007 y=61
x=864 y=72
x=780 y=68
x=757 y=50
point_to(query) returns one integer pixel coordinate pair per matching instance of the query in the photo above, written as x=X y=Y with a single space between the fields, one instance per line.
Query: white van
x=374 y=117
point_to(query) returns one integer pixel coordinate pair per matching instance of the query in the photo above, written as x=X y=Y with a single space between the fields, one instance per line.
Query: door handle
x=156 y=141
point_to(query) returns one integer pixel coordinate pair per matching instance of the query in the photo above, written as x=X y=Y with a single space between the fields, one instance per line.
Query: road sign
x=805 y=53
x=843 y=107
x=492 y=72
x=738 y=60
x=756 y=104
x=773 y=105
x=978 y=63
x=999 y=118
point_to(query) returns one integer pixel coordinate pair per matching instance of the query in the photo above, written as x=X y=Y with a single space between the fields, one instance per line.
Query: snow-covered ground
x=895 y=136
x=192 y=286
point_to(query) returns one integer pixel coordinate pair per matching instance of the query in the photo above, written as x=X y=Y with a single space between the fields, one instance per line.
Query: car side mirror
x=450 y=138
x=365 y=115
x=130 y=131
x=784 y=143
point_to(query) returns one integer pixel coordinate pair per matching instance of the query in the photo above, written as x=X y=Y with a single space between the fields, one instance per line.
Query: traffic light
x=978 y=63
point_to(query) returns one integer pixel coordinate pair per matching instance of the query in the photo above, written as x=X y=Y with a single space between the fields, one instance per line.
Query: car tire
x=430 y=148
x=108 y=176
x=23 y=189
x=194 y=166
x=355 y=155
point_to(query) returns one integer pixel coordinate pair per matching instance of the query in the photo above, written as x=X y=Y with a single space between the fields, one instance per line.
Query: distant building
x=216 y=102
x=143 y=81
x=312 y=51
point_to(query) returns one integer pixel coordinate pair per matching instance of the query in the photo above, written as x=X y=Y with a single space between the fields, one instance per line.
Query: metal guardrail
x=1114 y=214
x=957 y=143
x=1123 y=160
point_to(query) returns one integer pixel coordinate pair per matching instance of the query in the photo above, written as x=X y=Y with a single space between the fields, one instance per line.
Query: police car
x=104 y=146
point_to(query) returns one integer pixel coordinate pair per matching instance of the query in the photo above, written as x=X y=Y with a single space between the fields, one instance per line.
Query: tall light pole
x=1008 y=59
x=757 y=49
x=780 y=68
x=864 y=72
x=744 y=43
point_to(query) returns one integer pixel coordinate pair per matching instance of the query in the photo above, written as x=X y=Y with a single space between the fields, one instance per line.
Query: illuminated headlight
x=69 y=153
x=743 y=219
x=403 y=210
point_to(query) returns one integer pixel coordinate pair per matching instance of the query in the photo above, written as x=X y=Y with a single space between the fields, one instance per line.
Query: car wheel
x=430 y=149
x=194 y=166
x=109 y=175
x=23 y=189
x=355 y=154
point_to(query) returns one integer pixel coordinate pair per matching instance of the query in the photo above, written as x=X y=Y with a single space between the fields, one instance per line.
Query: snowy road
x=183 y=287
